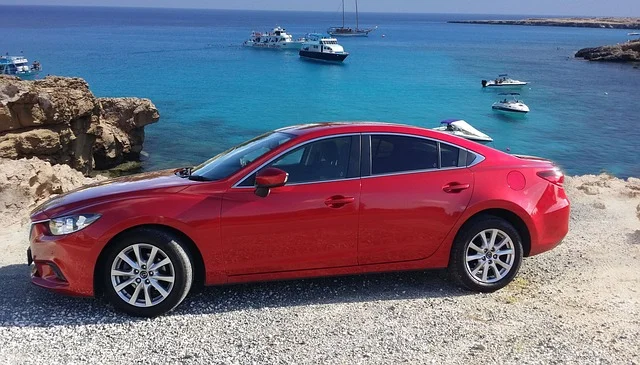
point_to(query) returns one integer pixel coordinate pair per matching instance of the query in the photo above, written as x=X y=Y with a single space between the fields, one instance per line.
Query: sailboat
x=350 y=32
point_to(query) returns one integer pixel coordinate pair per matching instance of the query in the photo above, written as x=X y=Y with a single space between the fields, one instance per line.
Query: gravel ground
x=577 y=304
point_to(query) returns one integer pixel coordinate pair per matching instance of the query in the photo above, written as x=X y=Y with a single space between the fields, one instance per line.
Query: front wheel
x=146 y=273
x=486 y=255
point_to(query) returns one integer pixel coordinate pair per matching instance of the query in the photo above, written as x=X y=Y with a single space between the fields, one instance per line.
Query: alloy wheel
x=490 y=256
x=142 y=275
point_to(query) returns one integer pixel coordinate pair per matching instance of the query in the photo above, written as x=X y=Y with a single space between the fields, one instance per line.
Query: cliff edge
x=59 y=120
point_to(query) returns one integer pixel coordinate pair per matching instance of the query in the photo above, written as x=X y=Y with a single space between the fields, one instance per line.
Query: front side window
x=323 y=160
x=392 y=154
x=231 y=161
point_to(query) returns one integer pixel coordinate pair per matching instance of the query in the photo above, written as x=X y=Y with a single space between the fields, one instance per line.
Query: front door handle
x=455 y=187
x=339 y=201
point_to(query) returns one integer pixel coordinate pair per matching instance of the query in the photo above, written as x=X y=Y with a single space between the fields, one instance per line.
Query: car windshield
x=232 y=160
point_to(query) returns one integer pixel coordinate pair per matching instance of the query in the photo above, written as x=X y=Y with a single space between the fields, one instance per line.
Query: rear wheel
x=486 y=255
x=146 y=272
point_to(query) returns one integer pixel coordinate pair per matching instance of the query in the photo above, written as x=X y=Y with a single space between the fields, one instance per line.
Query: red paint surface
x=369 y=224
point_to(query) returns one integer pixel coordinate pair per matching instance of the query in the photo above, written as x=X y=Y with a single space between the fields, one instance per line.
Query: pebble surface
x=579 y=303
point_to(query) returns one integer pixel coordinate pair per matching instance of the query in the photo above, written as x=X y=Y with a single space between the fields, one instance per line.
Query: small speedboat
x=511 y=105
x=460 y=128
x=322 y=48
x=633 y=33
x=504 y=81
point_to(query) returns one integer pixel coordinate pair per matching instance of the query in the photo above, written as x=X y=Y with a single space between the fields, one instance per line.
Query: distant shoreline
x=607 y=23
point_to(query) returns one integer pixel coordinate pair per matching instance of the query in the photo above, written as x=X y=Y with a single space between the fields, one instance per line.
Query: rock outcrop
x=59 y=120
x=121 y=132
x=581 y=22
x=25 y=183
x=623 y=52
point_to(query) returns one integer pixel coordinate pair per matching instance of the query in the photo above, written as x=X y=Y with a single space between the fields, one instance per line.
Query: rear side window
x=449 y=155
x=391 y=154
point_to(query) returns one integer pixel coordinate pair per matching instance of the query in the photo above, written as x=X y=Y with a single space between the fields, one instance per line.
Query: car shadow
x=24 y=305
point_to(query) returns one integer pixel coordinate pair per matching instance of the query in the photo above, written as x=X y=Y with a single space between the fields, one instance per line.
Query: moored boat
x=19 y=66
x=504 y=81
x=278 y=38
x=344 y=31
x=512 y=105
x=461 y=128
x=322 y=48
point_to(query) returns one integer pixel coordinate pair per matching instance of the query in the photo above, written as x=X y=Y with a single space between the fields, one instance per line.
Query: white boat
x=460 y=128
x=350 y=32
x=278 y=38
x=504 y=81
x=512 y=105
x=322 y=48
x=633 y=33
x=19 y=66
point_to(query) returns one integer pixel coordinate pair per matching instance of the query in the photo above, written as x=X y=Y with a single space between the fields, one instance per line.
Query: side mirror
x=268 y=179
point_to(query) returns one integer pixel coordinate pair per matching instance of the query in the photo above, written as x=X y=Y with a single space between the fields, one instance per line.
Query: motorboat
x=460 y=128
x=278 y=38
x=511 y=105
x=19 y=66
x=322 y=48
x=504 y=81
x=633 y=33
x=344 y=31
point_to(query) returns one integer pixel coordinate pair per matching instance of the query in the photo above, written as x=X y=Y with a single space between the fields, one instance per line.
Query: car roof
x=316 y=130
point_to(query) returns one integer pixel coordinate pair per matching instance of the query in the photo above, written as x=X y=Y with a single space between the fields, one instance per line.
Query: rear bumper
x=61 y=263
x=551 y=219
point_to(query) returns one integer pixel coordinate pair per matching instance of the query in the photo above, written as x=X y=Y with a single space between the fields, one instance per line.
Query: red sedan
x=304 y=201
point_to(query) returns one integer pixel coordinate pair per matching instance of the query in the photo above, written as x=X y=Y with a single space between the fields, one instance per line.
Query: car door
x=310 y=223
x=415 y=191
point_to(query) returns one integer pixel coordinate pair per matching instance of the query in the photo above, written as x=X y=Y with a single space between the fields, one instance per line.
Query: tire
x=488 y=270
x=138 y=287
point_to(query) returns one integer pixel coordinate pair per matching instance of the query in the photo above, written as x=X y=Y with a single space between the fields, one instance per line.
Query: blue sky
x=541 y=7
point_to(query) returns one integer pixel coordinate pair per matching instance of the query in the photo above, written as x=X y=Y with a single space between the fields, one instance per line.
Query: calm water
x=212 y=93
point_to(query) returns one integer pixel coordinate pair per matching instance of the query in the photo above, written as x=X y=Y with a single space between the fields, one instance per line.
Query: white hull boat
x=511 y=105
x=278 y=38
x=460 y=128
x=504 y=82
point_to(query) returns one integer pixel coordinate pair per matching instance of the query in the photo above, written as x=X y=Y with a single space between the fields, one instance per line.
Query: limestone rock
x=59 y=120
x=25 y=183
x=122 y=130
x=624 y=52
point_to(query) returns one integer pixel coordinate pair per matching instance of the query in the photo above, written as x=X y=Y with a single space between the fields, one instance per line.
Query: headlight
x=72 y=223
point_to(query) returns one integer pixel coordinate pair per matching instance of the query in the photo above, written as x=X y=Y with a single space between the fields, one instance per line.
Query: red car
x=304 y=201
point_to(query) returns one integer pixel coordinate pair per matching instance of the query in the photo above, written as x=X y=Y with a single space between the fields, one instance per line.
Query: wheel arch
x=191 y=247
x=514 y=219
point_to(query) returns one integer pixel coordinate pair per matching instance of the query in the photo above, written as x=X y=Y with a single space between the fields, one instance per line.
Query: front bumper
x=62 y=264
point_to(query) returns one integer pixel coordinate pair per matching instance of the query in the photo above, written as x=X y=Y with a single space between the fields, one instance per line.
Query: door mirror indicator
x=268 y=179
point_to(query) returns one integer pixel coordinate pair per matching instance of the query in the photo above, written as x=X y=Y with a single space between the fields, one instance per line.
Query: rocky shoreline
x=603 y=22
x=623 y=52
x=59 y=120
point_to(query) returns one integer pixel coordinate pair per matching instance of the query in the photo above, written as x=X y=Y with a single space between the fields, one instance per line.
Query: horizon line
x=305 y=11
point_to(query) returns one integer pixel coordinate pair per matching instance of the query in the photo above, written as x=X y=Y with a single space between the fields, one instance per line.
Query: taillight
x=554 y=176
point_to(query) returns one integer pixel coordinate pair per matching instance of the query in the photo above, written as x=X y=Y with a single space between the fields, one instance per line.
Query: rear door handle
x=455 y=187
x=338 y=201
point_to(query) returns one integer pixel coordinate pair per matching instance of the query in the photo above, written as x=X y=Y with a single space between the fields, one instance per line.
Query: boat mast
x=343 y=14
x=357 y=25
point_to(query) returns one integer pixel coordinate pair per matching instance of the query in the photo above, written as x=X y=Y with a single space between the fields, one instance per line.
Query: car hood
x=165 y=180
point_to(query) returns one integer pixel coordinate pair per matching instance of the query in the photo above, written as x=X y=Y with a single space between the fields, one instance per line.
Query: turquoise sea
x=213 y=93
